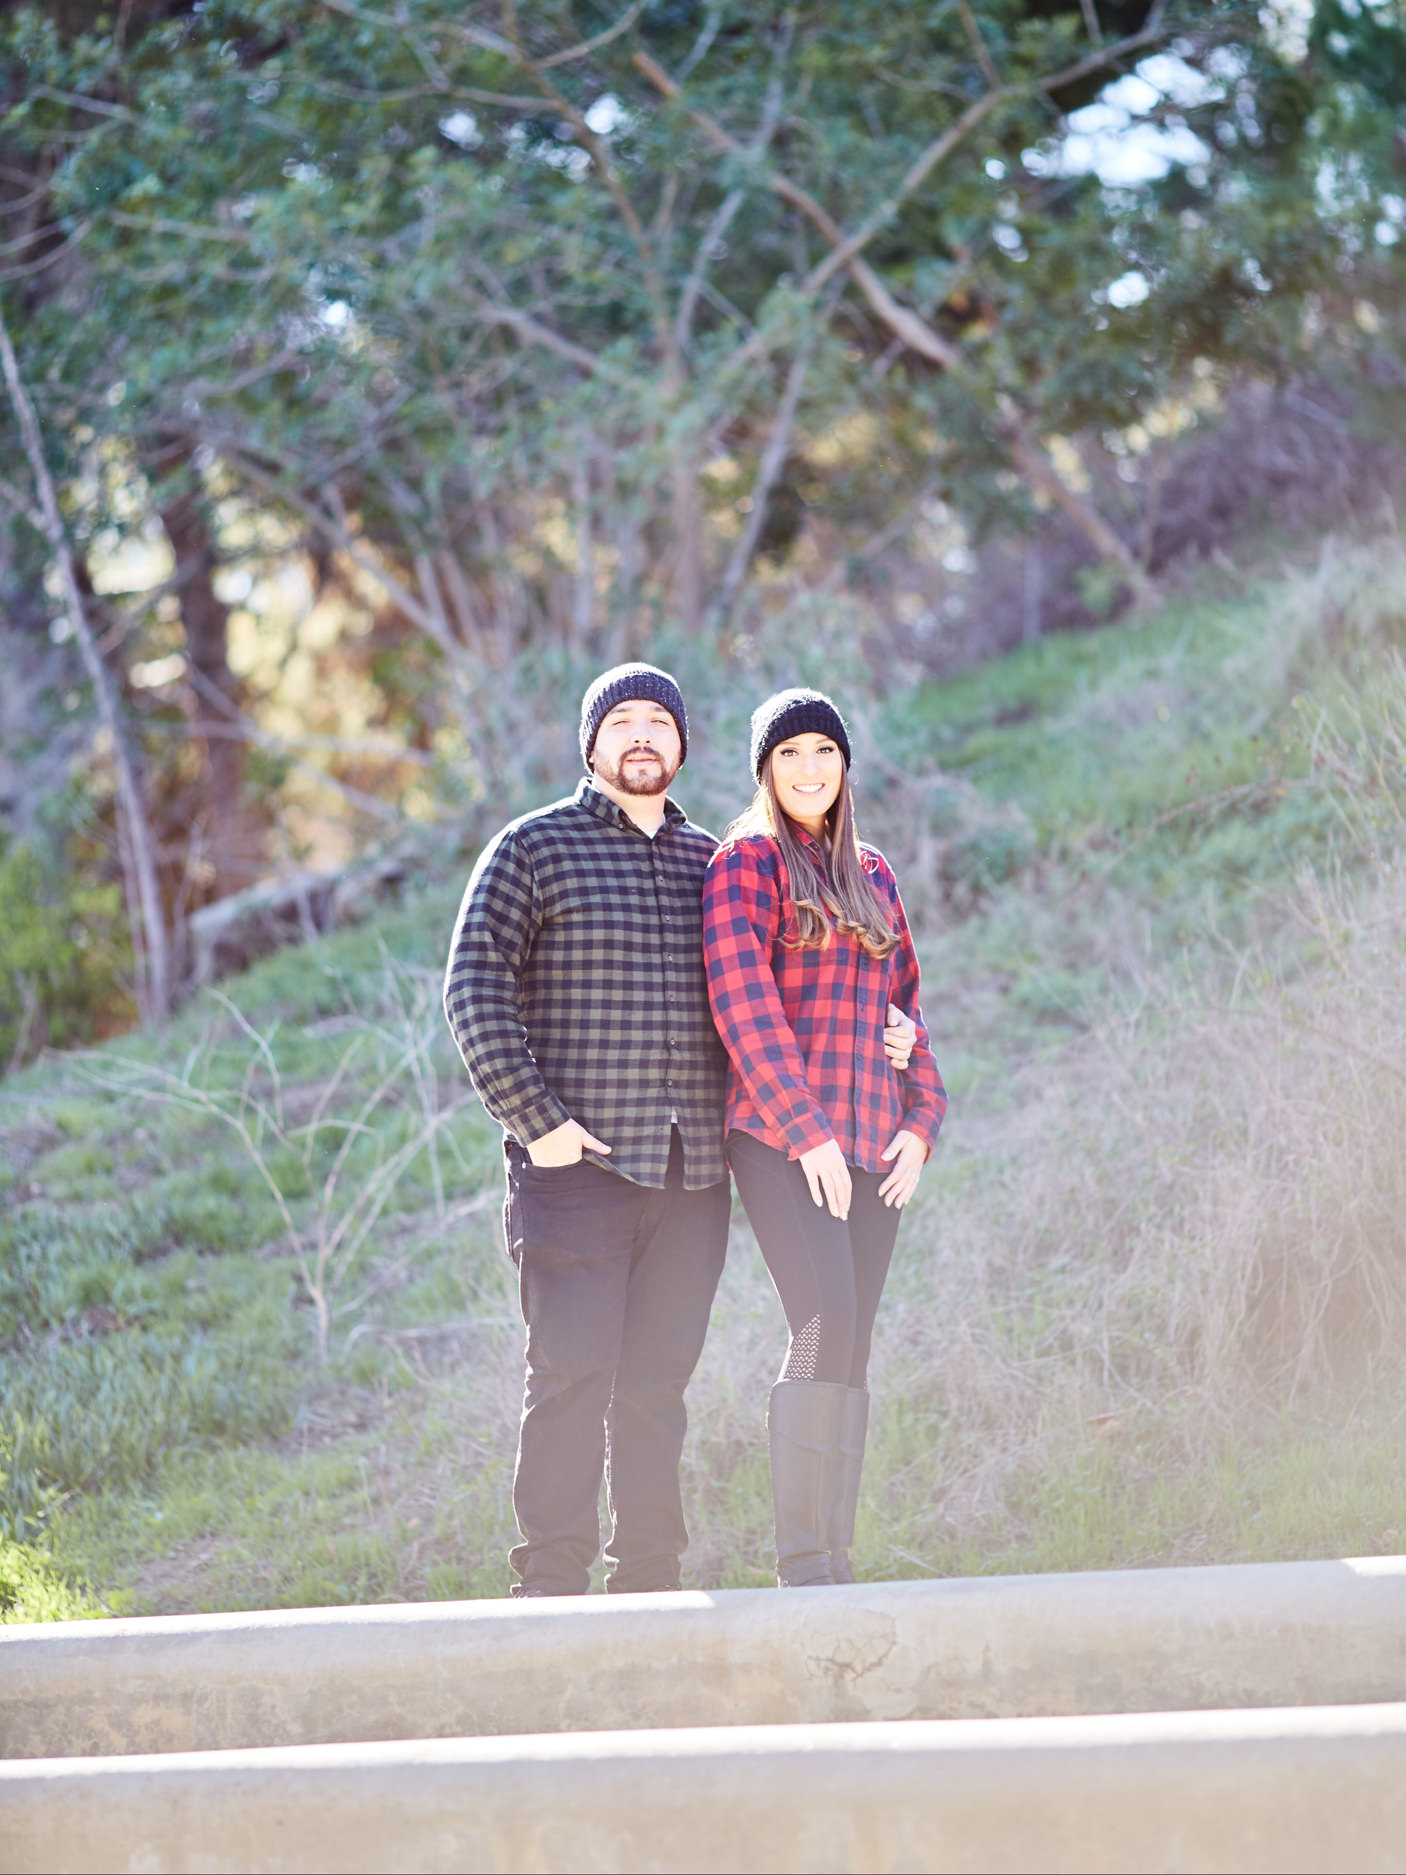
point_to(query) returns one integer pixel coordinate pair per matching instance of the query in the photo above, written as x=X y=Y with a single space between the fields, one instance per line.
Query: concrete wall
x=1288 y=1790
x=1152 y=1640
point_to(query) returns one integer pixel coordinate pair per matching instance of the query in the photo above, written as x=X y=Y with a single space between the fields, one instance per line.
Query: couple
x=643 y=1009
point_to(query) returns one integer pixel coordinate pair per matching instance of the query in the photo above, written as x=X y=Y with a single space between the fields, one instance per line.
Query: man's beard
x=650 y=781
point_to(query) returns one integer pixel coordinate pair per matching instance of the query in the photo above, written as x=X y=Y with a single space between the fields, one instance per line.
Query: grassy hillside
x=260 y=1342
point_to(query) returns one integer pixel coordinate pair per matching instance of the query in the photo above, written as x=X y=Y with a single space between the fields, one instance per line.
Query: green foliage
x=31 y=1589
x=60 y=954
x=97 y=1413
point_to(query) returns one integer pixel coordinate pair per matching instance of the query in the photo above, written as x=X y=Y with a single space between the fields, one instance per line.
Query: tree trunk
x=1040 y=474
x=236 y=835
x=688 y=538
x=145 y=910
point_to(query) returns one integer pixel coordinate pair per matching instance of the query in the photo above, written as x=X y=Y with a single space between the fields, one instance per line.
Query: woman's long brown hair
x=838 y=895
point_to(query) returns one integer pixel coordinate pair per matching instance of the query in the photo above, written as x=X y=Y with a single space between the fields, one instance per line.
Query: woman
x=806 y=945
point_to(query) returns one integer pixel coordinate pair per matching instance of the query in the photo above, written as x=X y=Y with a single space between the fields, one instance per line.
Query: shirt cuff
x=806 y=1132
x=923 y=1124
x=534 y=1121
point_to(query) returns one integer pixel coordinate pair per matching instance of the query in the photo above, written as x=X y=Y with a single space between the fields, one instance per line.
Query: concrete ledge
x=1225 y=1791
x=1282 y=1634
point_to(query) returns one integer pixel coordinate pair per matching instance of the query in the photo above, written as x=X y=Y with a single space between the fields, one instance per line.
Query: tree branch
x=979 y=45
x=917 y=173
x=915 y=332
x=149 y=921
x=497 y=314
x=768 y=470
x=598 y=149
x=622 y=25
x=249 y=731
x=727 y=209
x=341 y=538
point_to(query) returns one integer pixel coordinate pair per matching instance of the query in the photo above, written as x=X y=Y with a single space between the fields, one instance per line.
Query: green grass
x=1294 y=1487
x=1102 y=816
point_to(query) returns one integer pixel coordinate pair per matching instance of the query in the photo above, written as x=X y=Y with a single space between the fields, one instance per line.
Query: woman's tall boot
x=803 y=1419
x=842 y=1498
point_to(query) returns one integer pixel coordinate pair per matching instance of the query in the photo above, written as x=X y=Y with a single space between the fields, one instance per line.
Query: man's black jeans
x=617 y=1283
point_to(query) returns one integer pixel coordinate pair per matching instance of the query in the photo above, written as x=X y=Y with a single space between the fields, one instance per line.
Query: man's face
x=637 y=749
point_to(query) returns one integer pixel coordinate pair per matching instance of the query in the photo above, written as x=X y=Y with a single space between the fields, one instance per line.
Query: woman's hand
x=909 y=1155
x=827 y=1174
x=900 y=1033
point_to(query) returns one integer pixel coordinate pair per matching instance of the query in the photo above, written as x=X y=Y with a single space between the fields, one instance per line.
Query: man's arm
x=498 y=922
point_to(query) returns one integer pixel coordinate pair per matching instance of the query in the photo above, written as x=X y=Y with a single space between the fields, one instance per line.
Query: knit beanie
x=795 y=713
x=622 y=685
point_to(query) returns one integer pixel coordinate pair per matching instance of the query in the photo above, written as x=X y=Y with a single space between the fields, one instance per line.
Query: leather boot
x=803 y=1420
x=842 y=1496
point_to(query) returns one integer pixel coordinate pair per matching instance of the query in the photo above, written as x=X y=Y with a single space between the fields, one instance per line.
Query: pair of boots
x=817 y=1431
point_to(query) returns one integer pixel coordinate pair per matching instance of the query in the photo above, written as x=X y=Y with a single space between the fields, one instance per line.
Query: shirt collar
x=601 y=805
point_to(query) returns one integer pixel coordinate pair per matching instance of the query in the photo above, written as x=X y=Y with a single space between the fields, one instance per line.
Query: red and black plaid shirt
x=804 y=1029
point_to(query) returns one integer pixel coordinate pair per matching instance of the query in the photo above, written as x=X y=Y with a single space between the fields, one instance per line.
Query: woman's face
x=807 y=773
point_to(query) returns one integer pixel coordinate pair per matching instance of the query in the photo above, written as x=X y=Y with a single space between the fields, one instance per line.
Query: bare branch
x=45 y=261
x=917 y=173
x=979 y=45
x=622 y=25
x=95 y=105
x=400 y=94
x=245 y=731
x=497 y=314
x=251 y=732
x=344 y=540
x=196 y=231
x=1026 y=450
x=718 y=225
x=727 y=209
x=1152 y=34
x=768 y=470
x=1095 y=31
x=598 y=149
x=14 y=499
x=702 y=45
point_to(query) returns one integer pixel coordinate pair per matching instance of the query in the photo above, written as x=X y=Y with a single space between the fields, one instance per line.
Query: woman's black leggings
x=828 y=1273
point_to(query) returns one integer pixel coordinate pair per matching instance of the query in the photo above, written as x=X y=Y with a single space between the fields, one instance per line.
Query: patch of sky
x=1287 y=23
x=1129 y=289
x=1113 y=138
x=461 y=127
x=606 y=115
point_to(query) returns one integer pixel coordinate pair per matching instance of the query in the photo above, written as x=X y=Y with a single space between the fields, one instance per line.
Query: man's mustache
x=641 y=748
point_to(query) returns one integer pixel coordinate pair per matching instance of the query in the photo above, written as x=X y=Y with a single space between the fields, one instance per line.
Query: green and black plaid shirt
x=576 y=989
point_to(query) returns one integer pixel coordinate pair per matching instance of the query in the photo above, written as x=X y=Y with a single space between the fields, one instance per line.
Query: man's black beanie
x=795 y=713
x=623 y=685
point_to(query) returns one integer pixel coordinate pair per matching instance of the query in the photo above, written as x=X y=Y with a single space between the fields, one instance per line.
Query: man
x=577 y=995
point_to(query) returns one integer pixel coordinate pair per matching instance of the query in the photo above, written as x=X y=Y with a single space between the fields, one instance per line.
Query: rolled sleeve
x=498 y=921
x=924 y=1096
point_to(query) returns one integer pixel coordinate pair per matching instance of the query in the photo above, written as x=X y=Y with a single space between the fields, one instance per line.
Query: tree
x=542 y=323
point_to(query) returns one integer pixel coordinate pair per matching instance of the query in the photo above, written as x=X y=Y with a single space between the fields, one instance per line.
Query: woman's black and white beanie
x=624 y=684
x=795 y=713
